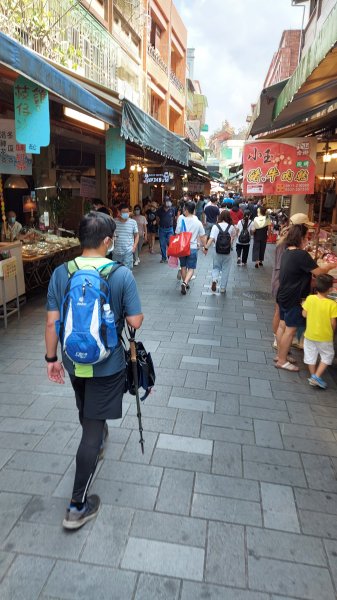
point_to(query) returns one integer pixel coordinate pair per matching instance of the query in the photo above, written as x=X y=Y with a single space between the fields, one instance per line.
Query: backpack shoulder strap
x=218 y=226
x=228 y=226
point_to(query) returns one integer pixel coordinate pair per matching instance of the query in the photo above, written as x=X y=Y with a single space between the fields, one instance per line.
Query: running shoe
x=238 y=262
x=213 y=286
x=183 y=288
x=76 y=518
x=318 y=382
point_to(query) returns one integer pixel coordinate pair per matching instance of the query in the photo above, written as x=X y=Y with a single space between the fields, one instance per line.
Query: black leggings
x=244 y=248
x=87 y=457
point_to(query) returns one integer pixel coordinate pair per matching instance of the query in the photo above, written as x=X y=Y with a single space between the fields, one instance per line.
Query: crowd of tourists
x=91 y=297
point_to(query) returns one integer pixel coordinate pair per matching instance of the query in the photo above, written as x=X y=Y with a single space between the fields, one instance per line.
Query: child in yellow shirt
x=321 y=314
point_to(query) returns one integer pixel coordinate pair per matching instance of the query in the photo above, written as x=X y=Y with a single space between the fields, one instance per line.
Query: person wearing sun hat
x=300 y=219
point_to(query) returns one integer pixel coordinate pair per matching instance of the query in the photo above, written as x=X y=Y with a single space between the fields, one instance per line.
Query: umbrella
x=133 y=356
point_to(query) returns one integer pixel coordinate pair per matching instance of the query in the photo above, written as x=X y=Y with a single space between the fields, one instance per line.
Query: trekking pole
x=133 y=356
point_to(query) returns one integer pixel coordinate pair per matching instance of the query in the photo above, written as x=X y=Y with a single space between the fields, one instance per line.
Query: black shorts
x=99 y=397
x=292 y=316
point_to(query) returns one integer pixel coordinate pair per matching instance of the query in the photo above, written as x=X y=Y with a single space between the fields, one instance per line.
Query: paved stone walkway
x=235 y=498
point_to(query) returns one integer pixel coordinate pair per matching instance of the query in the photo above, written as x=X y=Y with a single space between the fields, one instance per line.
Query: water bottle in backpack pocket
x=87 y=331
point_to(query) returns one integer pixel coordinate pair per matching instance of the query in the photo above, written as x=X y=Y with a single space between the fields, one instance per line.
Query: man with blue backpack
x=88 y=300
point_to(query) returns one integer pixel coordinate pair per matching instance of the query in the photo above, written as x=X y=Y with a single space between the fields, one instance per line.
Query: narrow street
x=235 y=497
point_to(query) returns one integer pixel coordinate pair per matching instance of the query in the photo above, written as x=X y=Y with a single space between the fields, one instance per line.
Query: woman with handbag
x=190 y=223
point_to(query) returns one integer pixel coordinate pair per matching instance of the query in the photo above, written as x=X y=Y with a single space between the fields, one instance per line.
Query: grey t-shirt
x=125 y=236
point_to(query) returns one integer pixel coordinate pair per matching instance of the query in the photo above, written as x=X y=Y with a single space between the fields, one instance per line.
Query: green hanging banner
x=31 y=108
x=115 y=153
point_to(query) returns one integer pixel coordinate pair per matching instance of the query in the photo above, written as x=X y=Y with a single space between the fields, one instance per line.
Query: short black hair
x=189 y=206
x=324 y=283
x=123 y=205
x=94 y=228
x=96 y=202
x=214 y=198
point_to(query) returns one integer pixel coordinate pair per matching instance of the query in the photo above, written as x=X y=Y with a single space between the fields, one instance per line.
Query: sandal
x=287 y=367
x=290 y=359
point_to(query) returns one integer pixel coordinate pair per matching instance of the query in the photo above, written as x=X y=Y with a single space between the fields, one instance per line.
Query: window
x=155 y=105
x=155 y=34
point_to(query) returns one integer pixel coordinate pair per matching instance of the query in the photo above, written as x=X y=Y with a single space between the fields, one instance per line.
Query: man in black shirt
x=211 y=212
x=165 y=220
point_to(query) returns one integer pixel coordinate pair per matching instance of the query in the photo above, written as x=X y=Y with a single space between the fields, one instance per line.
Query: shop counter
x=13 y=249
x=38 y=269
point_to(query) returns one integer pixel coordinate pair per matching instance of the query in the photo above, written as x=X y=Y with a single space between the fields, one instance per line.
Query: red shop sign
x=279 y=167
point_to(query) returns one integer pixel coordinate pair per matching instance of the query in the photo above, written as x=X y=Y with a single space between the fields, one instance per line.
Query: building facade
x=285 y=60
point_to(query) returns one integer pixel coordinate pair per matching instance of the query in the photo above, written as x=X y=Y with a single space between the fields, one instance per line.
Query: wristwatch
x=50 y=360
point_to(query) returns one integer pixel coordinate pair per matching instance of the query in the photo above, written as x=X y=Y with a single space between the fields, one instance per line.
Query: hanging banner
x=31 y=109
x=115 y=153
x=279 y=167
x=13 y=157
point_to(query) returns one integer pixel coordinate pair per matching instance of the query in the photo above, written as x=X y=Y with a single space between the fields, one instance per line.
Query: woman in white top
x=194 y=226
x=142 y=228
x=221 y=262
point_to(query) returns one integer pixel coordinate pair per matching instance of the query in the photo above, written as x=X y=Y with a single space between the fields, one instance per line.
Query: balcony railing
x=177 y=83
x=132 y=11
x=66 y=33
x=155 y=54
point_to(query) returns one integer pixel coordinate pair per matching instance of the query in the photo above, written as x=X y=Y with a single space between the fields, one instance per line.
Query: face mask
x=11 y=220
x=137 y=212
x=168 y=203
x=111 y=248
x=124 y=215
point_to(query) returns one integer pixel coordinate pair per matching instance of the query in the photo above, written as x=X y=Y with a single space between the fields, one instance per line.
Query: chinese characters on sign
x=280 y=166
x=31 y=108
x=157 y=177
x=13 y=157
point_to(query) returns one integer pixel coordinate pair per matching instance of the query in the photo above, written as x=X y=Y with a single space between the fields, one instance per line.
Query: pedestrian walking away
x=127 y=237
x=152 y=227
x=244 y=231
x=165 y=221
x=98 y=381
x=142 y=230
x=260 y=228
x=195 y=227
x=222 y=236
x=211 y=213
x=320 y=313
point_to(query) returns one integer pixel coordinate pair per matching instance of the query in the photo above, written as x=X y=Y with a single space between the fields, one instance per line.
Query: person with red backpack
x=222 y=236
x=244 y=228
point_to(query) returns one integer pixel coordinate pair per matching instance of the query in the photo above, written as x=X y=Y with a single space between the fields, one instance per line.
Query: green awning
x=140 y=128
x=263 y=114
x=314 y=83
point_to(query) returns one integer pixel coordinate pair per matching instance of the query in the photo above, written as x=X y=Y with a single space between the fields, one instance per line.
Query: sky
x=234 y=43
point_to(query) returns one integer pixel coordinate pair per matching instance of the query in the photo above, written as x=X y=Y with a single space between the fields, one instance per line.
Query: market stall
x=41 y=257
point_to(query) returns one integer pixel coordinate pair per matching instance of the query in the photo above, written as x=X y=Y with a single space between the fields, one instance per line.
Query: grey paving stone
x=319 y=524
x=19 y=441
x=73 y=581
x=13 y=480
x=317 y=501
x=114 y=470
x=274 y=473
x=226 y=540
x=282 y=577
x=331 y=550
x=185 y=444
x=285 y=546
x=310 y=446
x=197 y=379
x=194 y=360
x=227 y=404
x=41 y=462
x=11 y=508
x=201 y=591
x=253 y=334
x=203 y=341
x=194 y=393
x=264 y=414
x=182 y=460
x=5 y=455
x=166 y=377
x=267 y=434
x=260 y=387
x=125 y=494
x=162 y=558
x=26 y=578
x=191 y=404
x=255 y=356
x=320 y=473
x=149 y=423
x=28 y=426
x=108 y=536
x=45 y=510
x=230 y=510
x=47 y=540
x=224 y=434
x=227 y=459
x=300 y=413
x=270 y=456
x=6 y=559
x=231 y=388
x=169 y=528
x=267 y=403
x=57 y=437
x=310 y=433
x=168 y=500
x=153 y=587
x=11 y=410
x=229 y=421
x=230 y=487
x=278 y=507
x=188 y=423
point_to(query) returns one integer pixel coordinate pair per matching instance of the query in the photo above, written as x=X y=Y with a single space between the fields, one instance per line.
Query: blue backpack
x=86 y=336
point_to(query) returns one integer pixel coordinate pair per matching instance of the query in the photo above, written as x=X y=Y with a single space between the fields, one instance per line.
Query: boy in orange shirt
x=321 y=314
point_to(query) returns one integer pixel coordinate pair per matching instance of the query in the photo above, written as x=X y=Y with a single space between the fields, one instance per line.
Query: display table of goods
x=324 y=254
x=42 y=253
